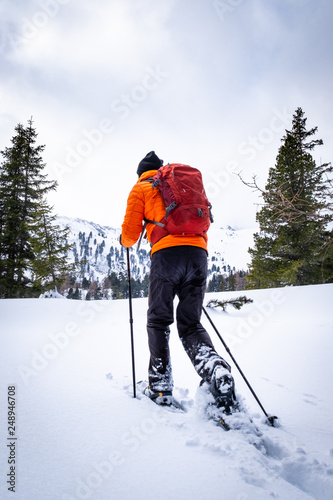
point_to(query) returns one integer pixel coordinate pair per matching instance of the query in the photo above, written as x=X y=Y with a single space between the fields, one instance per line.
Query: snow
x=82 y=435
x=51 y=294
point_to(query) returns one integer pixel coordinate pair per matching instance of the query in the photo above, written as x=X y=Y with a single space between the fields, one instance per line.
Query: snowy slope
x=81 y=435
x=99 y=247
x=231 y=245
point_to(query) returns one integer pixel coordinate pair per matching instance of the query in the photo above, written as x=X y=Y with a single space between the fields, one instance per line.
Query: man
x=178 y=267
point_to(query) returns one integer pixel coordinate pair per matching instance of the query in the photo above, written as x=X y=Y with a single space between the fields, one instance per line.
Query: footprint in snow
x=311 y=399
x=274 y=383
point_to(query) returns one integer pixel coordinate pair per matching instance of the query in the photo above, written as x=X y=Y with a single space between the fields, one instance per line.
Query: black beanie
x=150 y=162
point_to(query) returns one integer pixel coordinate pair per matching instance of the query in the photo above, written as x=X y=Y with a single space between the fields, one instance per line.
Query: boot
x=222 y=387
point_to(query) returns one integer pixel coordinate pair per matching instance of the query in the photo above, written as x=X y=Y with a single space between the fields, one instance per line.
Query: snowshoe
x=162 y=398
x=221 y=405
x=237 y=418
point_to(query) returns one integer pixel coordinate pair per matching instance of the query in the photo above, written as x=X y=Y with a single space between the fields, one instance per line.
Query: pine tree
x=214 y=283
x=49 y=266
x=294 y=245
x=22 y=187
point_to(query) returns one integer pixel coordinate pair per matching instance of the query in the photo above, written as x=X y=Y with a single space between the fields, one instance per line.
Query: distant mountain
x=98 y=250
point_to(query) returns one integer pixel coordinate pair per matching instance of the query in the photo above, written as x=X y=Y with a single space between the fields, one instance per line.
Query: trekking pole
x=270 y=418
x=131 y=321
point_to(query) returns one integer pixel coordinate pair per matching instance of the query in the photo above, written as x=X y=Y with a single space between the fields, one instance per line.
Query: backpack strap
x=170 y=207
x=150 y=179
x=147 y=221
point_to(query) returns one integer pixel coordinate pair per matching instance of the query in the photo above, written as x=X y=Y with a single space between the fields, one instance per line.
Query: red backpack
x=188 y=210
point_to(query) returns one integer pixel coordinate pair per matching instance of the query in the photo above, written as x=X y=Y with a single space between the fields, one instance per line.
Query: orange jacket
x=146 y=202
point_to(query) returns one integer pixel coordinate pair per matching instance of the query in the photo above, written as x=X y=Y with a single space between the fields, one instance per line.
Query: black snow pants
x=181 y=271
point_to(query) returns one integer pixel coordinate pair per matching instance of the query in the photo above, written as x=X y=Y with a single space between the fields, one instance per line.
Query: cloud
x=225 y=87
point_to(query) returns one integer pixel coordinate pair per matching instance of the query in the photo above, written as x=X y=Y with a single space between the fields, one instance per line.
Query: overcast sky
x=213 y=84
